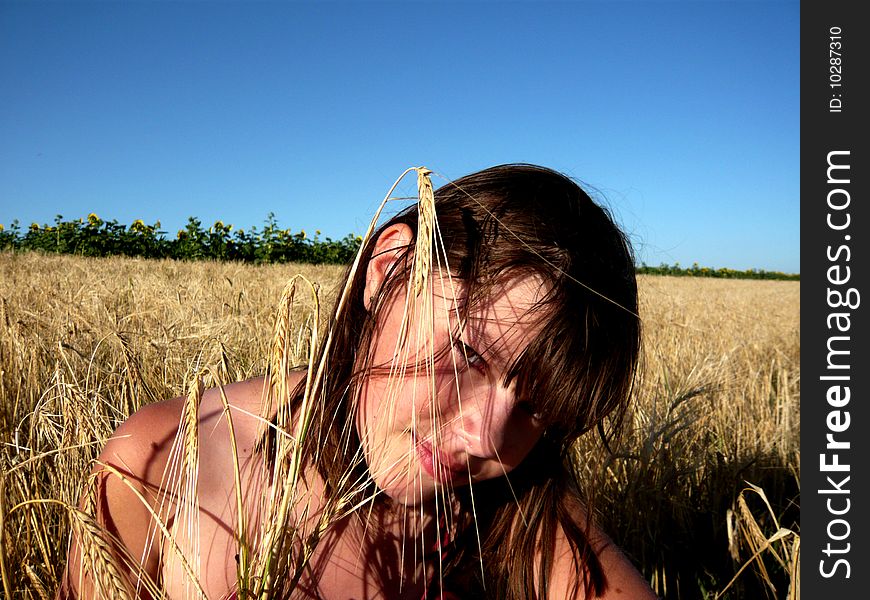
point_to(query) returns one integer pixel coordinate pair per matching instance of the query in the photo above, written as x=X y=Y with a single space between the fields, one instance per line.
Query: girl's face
x=436 y=412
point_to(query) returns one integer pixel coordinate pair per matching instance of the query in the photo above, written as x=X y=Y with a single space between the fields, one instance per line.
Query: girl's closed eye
x=469 y=357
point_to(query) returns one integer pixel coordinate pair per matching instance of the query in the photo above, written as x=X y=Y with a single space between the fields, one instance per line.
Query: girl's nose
x=484 y=416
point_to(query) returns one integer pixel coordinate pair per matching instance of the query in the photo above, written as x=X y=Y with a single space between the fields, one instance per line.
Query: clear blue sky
x=683 y=115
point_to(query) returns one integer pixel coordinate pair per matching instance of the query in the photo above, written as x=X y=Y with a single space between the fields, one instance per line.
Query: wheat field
x=705 y=478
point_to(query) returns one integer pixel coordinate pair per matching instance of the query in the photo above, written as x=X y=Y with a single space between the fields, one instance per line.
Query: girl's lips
x=435 y=467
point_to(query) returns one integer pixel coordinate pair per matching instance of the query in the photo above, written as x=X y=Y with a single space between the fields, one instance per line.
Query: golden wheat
x=85 y=342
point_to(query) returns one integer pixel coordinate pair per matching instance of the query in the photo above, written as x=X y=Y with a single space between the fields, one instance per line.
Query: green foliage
x=723 y=273
x=95 y=237
x=272 y=244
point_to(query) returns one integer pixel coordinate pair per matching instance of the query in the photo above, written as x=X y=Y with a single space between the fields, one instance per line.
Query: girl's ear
x=390 y=245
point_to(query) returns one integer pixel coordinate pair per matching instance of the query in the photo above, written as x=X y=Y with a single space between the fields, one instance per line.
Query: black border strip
x=835 y=299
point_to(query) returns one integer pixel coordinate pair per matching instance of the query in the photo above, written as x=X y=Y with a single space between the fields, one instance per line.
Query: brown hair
x=577 y=374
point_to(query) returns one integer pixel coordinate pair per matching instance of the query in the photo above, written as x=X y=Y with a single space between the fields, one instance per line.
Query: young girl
x=426 y=452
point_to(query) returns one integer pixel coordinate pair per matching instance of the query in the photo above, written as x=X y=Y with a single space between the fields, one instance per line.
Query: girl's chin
x=407 y=494
x=404 y=490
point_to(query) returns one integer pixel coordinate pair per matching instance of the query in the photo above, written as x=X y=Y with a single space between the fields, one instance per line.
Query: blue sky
x=684 y=116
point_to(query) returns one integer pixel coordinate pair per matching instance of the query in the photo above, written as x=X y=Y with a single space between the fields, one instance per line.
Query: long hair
x=576 y=374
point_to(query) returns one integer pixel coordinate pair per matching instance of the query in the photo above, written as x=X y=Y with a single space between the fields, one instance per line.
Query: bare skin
x=339 y=569
x=140 y=449
x=407 y=446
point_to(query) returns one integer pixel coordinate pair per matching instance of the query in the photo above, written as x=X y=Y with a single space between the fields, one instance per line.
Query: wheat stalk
x=759 y=543
x=425 y=225
x=37 y=583
x=54 y=418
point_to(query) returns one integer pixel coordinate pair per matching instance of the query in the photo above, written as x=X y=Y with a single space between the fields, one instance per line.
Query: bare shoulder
x=129 y=473
x=245 y=401
x=124 y=481
x=141 y=444
x=140 y=441
x=623 y=581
